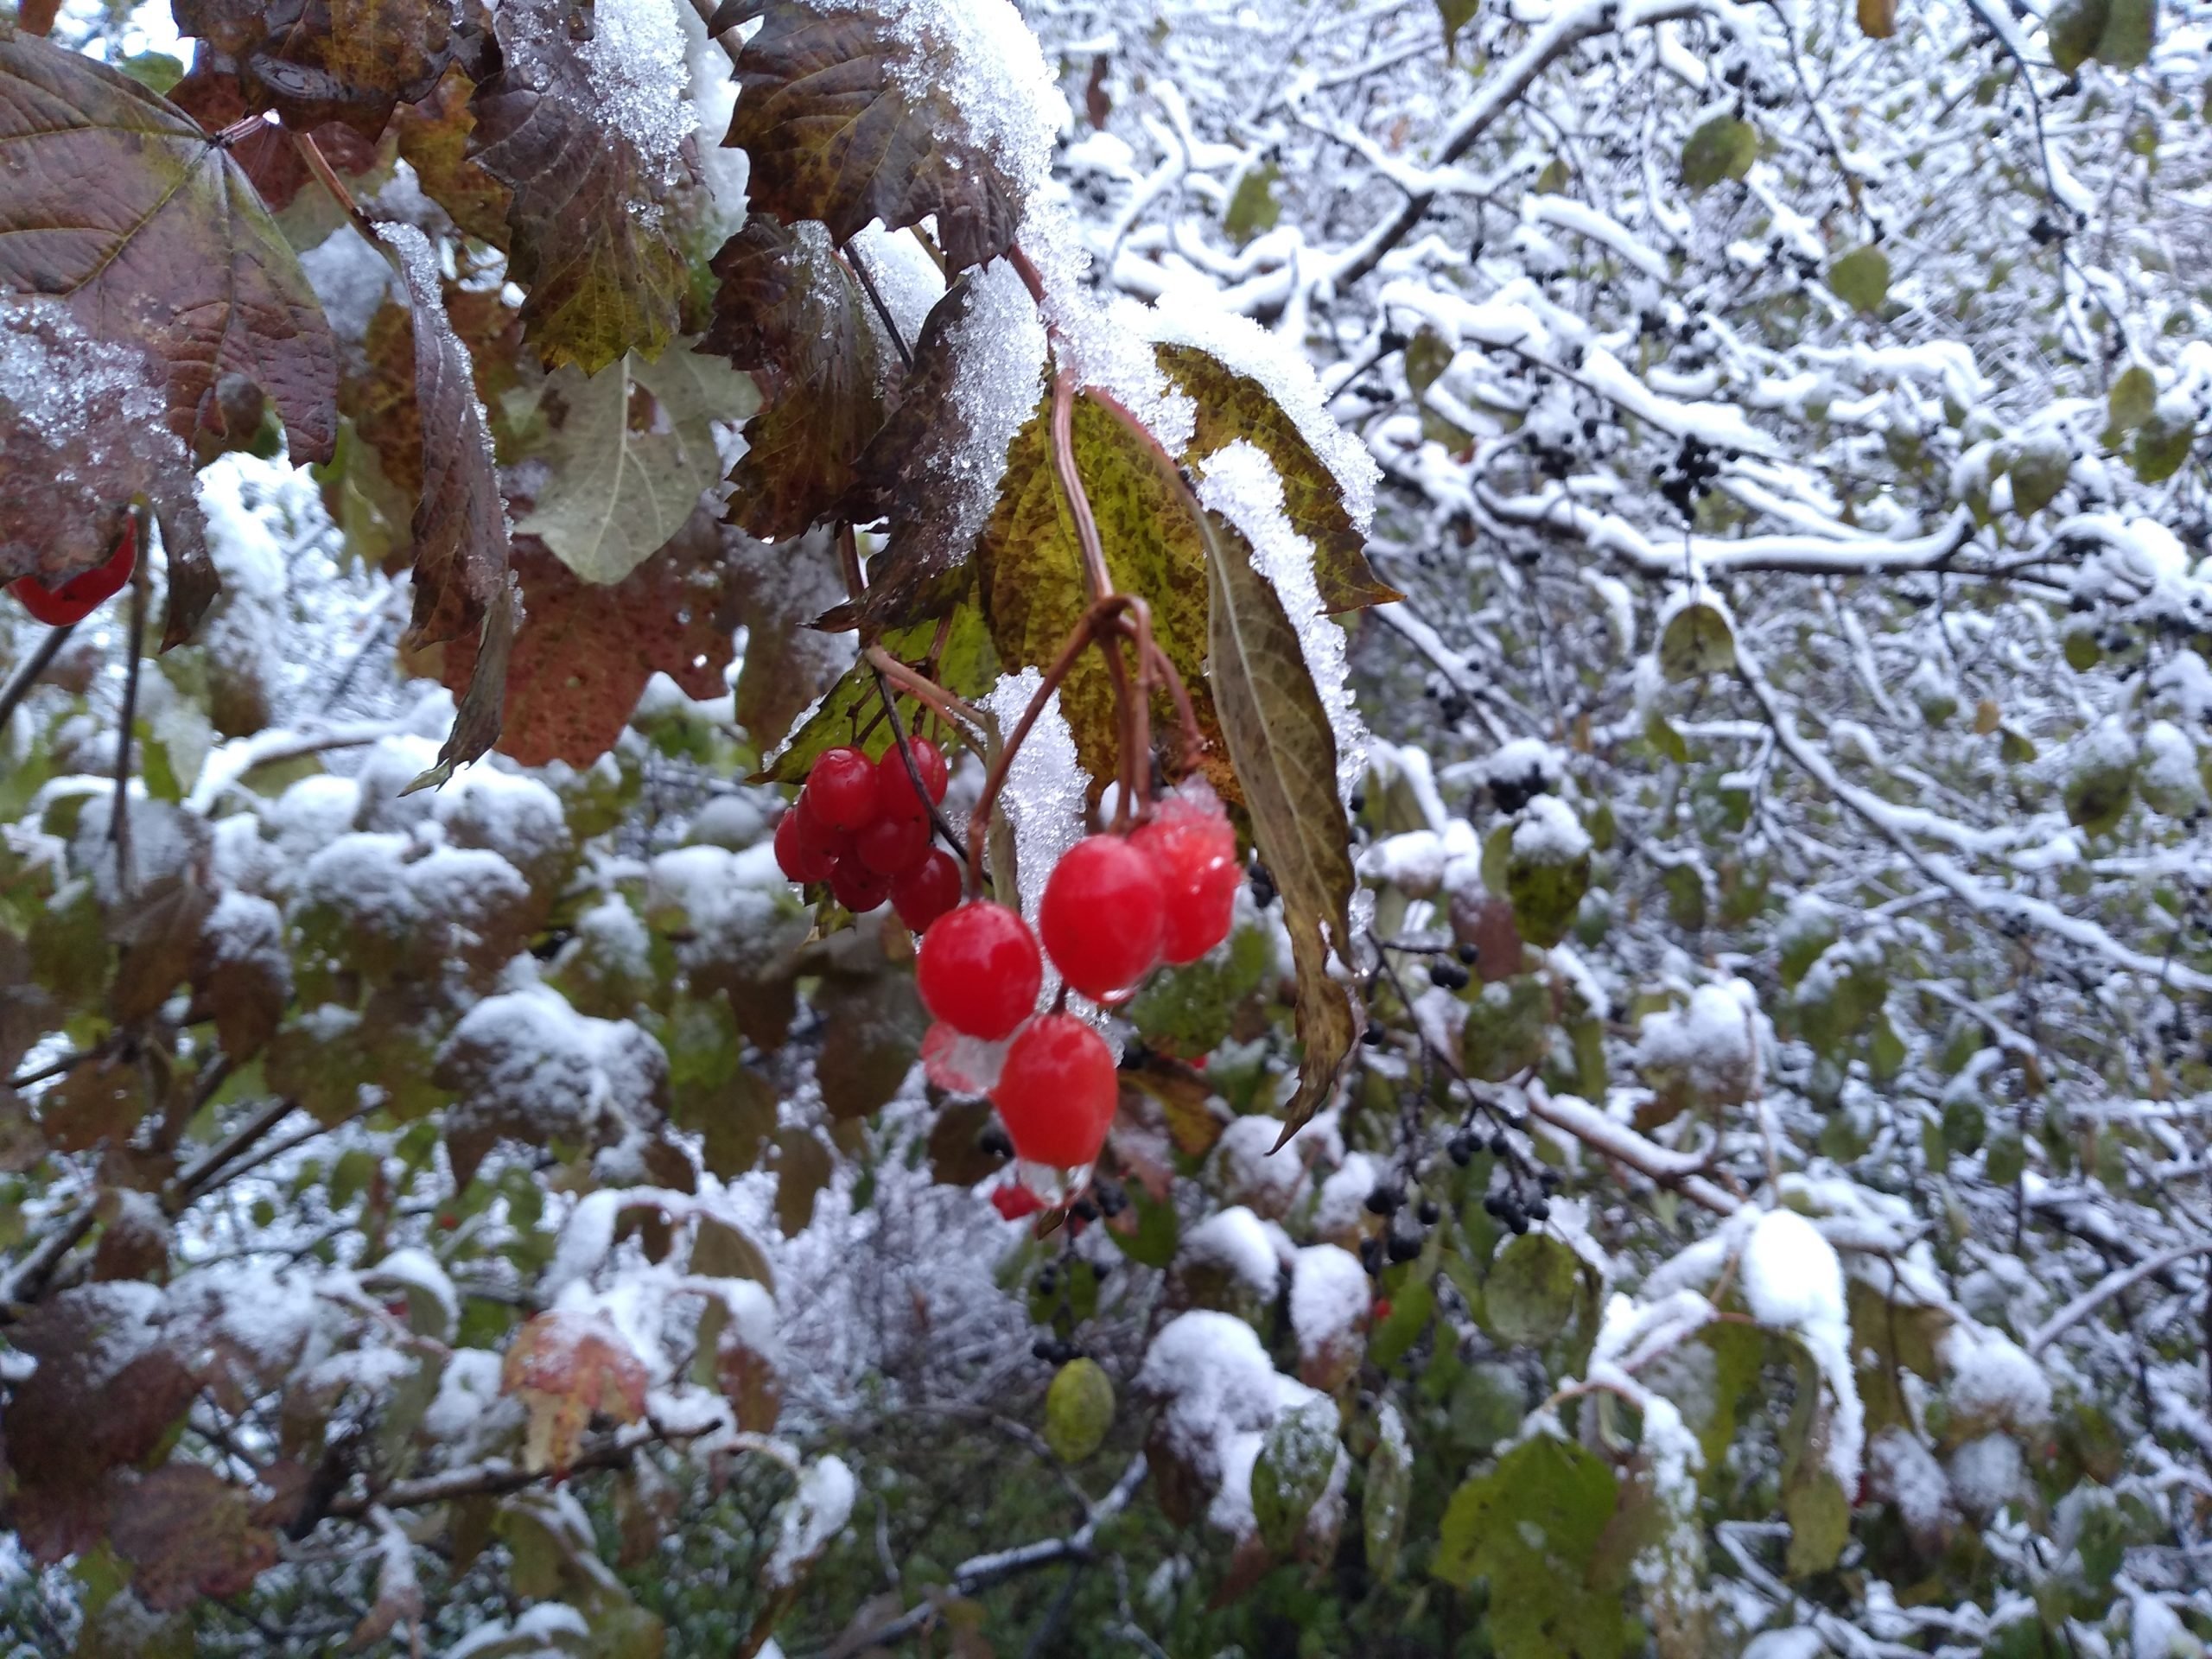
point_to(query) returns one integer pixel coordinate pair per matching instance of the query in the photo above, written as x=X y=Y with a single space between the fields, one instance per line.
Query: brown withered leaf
x=955 y=1145
x=567 y=1368
x=242 y=973
x=593 y=217
x=846 y=119
x=100 y=1100
x=584 y=653
x=878 y=1021
x=160 y=936
x=186 y=1534
x=802 y=1170
x=267 y=154
x=350 y=61
x=120 y=206
x=788 y=310
x=22 y=1144
x=434 y=134
x=81 y=434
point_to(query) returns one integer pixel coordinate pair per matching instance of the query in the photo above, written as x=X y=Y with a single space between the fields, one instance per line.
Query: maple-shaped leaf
x=593 y=218
x=584 y=652
x=269 y=154
x=933 y=470
x=119 y=204
x=632 y=453
x=1029 y=575
x=434 y=135
x=462 y=592
x=1231 y=405
x=81 y=434
x=790 y=311
x=349 y=61
x=849 y=114
x=188 y=1532
x=566 y=1368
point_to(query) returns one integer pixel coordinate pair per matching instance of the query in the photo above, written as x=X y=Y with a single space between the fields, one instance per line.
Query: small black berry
x=1461 y=1147
x=1404 y=1246
x=1428 y=1212
x=1386 y=1198
x=1498 y=1143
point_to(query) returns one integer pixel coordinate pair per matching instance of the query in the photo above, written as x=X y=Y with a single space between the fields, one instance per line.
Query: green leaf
x=968 y=667
x=2004 y=1160
x=2076 y=28
x=2163 y=443
x=1861 y=279
x=1455 y=15
x=1507 y=1029
x=1488 y=1403
x=1530 y=1290
x=1409 y=1317
x=2041 y=470
x=2130 y=27
x=1819 y=1521
x=1078 y=1410
x=1296 y=1457
x=1285 y=753
x=1532 y=1528
x=633 y=450
x=1698 y=640
x=1723 y=148
x=2133 y=396
x=879 y=1021
x=1253 y=209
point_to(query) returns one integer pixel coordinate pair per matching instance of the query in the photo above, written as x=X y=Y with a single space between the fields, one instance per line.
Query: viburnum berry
x=79 y=597
x=894 y=789
x=835 y=842
x=857 y=887
x=1193 y=847
x=927 y=891
x=979 y=970
x=1102 y=916
x=891 y=846
x=842 y=785
x=801 y=858
x=1058 y=1090
x=1013 y=1200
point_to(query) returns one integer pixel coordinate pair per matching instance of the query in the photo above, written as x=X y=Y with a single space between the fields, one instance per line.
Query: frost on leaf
x=584 y=653
x=896 y=111
x=187 y=1534
x=154 y=238
x=591 y=222
x=788 y=310
x=566 y=1368
x=348 y=60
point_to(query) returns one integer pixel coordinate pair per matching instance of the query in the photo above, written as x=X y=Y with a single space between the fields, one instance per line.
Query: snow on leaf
x=567 y=1368
x=815 y=1515
x=153 y=239
x=896 y=113
x=186 y=1534
x=349 y=60
x=242 y=973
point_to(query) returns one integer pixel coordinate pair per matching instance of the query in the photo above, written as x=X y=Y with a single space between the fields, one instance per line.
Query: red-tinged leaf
x=435 y=133
x=106 y=1391
x=585 y=652
x=595 y=214
x=36 y=16
x=242 y=973
x=335 y=61
x=160 y=936
x=188 y=1532
x=566 y=1368
x=268 y=155
x=788 y=310
x=155 y=237
x=848 y=117
x=102 y=1100
x=81 y=434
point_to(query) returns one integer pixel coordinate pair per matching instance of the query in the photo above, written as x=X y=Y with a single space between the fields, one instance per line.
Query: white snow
x=1043 y=794
x=1792 y=1281
x=1329 y=1295
x=1234 y=1239
x=1546 y=831
x=814 y=1515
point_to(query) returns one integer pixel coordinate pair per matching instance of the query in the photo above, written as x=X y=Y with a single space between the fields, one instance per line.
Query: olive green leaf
x=1723 y=148
x=1079 y=1409
x=1297 y=1456
x=2040 y=472
x=2162 y=442
x=2133 y=396
x=1253 y=209
x=1530 y=1290
x=2076 y=28
x=1861 y=279
x=1698 y=640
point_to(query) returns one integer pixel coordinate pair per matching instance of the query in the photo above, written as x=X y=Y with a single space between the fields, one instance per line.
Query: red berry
x=85 y=592
x=1102 y=916
x=857 y=887
x=891 y=846
x=927 y=891
x=842 y=788
x=979 y=970
x=832 y=844
x=1195 y=853
x=894 y=789
x=801 y=858
x=1013 y=1200
x=1058 y=1091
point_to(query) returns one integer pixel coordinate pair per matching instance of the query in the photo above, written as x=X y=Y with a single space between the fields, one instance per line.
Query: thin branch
x=197 y=1176
x=34 y=669
x=118 y=823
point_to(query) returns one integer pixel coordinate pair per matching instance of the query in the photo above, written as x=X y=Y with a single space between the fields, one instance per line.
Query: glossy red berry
x=1102 y=916
x=1057 y=1091
x=842 y=785
x=891 y=846
x=801 y=858
x=928 y=891
x=833 y=842
x=1013 y=1200
x=1194 y=850
x=894 y=789
x=979 y=970
x=857 y=887
x=79 y=597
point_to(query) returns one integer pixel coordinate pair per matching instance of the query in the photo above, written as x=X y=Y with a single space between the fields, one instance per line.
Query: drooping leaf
x=566 y=1368
x=879 y=1021
x=2130 y=27
x=594 y=214
x=1079 y=1409
x=788 y=310
x=346 y=61
x=187 y=1534
x=1278 y=736
x=1697 y=640
x=1389 y=1492
x=160 y=937
x=268 y=153
x=2134 y=394
x=434 y=135
x=1723 y=148
x=1232 y=406
x=120 y=207
x=779 y=591
x=849 y=116
x=802 y=1170
x=241 y=973
x=584 y=653
x=1861 y=279
x=1530 y=1290
x=2045 y=461
x=2075 y=28
x=631 y=452
x=1297 y=1455
x=2162 y=442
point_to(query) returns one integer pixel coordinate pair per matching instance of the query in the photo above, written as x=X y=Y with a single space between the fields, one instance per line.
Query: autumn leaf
x=187 y=1532
x=269 y=154
x=584 y=653
x=803 y=1169
x=592 y=242
x=788 y=310
x=1278 y=734
x=346 y=61
x=848 y=117
x=567 y=1368
x=120 y=206
x=435 y=134
x=968 y=666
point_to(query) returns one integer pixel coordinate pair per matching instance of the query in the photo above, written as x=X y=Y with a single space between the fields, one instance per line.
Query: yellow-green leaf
x=1723 y=148
x=1861 y=279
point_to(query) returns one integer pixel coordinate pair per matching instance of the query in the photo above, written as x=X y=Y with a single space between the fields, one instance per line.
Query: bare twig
x=34 y=669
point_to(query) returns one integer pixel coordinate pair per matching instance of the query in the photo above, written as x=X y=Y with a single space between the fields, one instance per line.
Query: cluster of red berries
x=1114 y=908
x=862 y=827
x=79 y=597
